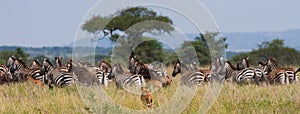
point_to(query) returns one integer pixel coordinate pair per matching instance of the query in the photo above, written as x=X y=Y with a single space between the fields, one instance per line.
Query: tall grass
x=27 y=97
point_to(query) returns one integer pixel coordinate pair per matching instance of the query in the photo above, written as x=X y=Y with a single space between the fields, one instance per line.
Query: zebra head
x=17 y=64
x=105 y=66
x=69 y=65
x=177 y=69
x=9 y=62
x=261 y=65
x=46 y=65
x=271 y=63
x=35 y=65
x=7 y=73
x=243 y=64
x=116 y=70
x=58 y=61
x=132 y=65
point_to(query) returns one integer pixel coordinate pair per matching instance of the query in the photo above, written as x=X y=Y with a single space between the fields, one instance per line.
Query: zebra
x=35 y=65
x=103 y=73
x=10 y=61
x=58 y=61
x=189 y=78
x=126 y=80
x=217 y=70
x=260 y=74
x=61 y=67
x=160 y=74
x=56 y=76
x=139 y=68
x=286 y=75
x=243 y=64
x=23 y=73
x=85 y=75
x=150 y=73
x=206 y=72
x=239 y=76
x=5 y=75
x=296 y=76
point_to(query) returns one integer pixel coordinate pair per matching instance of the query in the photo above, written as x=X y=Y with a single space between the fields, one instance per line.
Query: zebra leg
x=287 y=80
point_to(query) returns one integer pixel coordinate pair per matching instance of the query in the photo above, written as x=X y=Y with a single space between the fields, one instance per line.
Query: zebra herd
x=220 y=70
x=268 y=73
x=16 y=70
x=139 y=75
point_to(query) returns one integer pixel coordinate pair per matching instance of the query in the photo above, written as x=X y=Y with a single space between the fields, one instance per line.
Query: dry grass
x=30 y=98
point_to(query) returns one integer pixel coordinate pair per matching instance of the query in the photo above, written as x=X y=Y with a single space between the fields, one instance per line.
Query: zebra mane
x=20 y=61
x=117 y=69
x=272 y=61
x=298 y=70
x=261 y=63
x=228 y=62
x=47 y=61
x=105 y=63
x=36 y=62
x=10 y=60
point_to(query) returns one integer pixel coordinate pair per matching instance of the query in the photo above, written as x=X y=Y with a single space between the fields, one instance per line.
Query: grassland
x=30 y=98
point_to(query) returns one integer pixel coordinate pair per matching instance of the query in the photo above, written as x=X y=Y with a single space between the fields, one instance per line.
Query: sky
x=38 y=23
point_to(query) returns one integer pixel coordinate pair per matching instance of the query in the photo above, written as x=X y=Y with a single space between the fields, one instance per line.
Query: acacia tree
x=122 y=20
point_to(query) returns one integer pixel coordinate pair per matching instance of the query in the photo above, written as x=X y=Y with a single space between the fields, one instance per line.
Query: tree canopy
x=276 y=49
x=17 y=53
x=122 y=20
x=206 y=45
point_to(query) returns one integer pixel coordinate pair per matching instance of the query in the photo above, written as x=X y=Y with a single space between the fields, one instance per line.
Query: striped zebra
x=206 y=72
x=35 y=65
x=139 y=68
x=23 y=73
x=58 y=61
x=103 y=73
x=243 y=76
x=189 y=78
x=5 y=75
x=217 y=70
x=260 y=74
x=281 y=75
x=151 y=72
x=243 y=64
x=160 y=74
x=126 y=80
x=59 y=65
x=296 y=76
x=56 y=76
x=85 y=75
x=10 y=61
